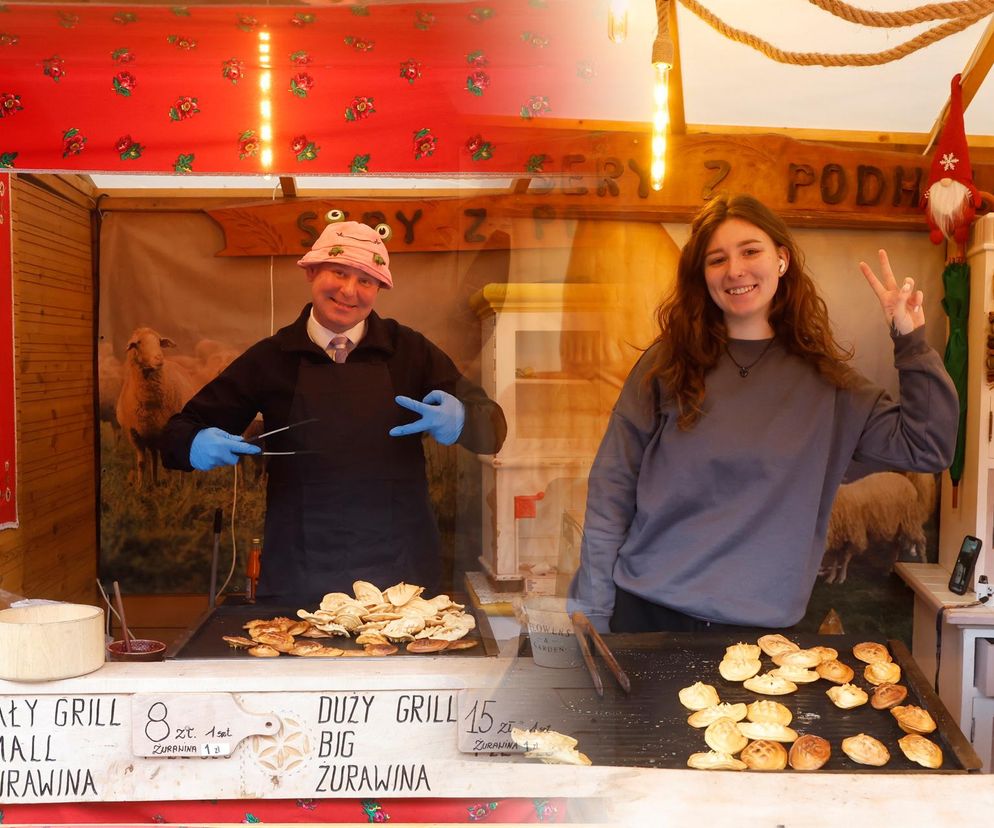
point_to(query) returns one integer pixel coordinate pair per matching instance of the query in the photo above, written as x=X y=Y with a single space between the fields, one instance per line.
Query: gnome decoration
x=951 y=199
x=950 y=204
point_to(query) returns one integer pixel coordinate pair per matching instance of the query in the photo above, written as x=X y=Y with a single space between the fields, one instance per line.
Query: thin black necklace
x=744 y=369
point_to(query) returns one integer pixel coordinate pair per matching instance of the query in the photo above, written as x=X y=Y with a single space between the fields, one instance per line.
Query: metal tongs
x=583 y=628
x=277 y=431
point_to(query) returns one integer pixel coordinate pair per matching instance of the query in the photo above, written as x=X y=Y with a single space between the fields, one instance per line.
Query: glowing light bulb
x=617 y=21
x=660 y=124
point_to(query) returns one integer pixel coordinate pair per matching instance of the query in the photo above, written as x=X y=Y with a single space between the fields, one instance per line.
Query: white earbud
x=783 y=265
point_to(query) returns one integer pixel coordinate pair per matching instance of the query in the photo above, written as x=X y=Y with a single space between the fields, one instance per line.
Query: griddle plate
x=205 y=639
x=648 y=728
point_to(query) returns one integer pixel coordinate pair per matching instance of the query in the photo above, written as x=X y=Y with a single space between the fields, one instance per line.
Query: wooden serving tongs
x=583 y=628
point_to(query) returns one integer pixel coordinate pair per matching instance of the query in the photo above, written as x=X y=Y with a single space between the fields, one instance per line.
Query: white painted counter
x=388 y=727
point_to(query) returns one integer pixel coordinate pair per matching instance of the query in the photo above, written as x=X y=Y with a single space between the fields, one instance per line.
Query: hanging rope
x=977 y=11
x=908 y=17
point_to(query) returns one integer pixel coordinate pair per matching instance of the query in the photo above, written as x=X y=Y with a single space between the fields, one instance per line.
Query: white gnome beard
x=947 y=205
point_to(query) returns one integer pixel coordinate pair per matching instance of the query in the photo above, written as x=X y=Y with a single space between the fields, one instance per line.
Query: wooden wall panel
x=53 y=553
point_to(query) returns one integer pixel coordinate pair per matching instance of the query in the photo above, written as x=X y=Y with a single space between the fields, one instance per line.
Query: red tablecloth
x=246 y=811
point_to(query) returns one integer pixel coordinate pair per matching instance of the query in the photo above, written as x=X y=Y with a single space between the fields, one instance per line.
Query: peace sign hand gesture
x=903 y=306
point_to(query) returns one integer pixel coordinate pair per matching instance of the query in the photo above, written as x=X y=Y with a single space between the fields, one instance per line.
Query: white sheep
x=110 y=379
x=884 y=508
x=154 y=389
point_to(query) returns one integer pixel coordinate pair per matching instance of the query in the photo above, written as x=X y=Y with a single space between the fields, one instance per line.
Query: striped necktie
x=339 y=348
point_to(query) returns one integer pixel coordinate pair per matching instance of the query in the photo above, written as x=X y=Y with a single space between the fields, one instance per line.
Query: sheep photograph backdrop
x=170 y=306
x=160 y=272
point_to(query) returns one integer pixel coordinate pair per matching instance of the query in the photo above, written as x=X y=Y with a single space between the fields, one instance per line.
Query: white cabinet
x=542 y=352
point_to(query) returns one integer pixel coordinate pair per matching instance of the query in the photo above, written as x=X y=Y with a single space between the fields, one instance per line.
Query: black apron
x=357 y=506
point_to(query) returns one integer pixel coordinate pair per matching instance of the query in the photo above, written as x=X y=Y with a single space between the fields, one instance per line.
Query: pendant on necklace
x=743 y=372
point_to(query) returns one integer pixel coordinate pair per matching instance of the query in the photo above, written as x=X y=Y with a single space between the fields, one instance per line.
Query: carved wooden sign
x=809 y=184
x=208 y=725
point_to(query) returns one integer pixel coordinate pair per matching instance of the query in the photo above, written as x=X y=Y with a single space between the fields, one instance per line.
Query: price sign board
x=486 y=718
x=193 y=725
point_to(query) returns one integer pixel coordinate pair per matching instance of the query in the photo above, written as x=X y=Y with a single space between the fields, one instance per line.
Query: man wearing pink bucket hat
x=347 y=495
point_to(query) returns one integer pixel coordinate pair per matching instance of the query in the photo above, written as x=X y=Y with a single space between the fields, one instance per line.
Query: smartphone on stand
x=969 y=551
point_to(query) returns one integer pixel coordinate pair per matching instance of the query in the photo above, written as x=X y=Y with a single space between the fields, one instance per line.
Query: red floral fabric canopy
x=410 y=89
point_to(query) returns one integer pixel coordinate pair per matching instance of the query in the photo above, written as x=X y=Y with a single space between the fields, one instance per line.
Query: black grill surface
x=648 y=728
x=205 y=640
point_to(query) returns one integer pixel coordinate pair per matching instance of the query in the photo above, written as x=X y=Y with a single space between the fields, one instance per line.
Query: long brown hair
x=692 y=332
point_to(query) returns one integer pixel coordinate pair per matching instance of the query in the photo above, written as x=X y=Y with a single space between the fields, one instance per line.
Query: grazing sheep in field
x=154 y=389
x=885 y=508
x=110 y=378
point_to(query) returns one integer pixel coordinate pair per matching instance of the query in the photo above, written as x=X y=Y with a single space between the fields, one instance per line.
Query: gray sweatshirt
x=727 y=522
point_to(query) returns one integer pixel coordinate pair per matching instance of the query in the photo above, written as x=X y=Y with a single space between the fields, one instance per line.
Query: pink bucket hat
x=351 y=243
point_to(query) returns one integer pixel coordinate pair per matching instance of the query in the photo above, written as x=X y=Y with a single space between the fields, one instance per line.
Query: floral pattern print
x=374 y=811
x=304 y=149
x=481 y=14
x=301 y=84
x=360 y=108
x=6 y=162
x=73 y=142
x=535 y=163
x=54 y=68
x=360 y=44
x=424 y=143
x=9 y=104
x=480 y=149
x=481 y=810
x=124 y=83
x=248 y=144
x=183 y=165
x=128 y=150
x=478 y=80
x=527 y=64
x=537 y=105
x=184 y=109
x=180 y=42
x=410 y=70
x=233 y=69
x=545 y=810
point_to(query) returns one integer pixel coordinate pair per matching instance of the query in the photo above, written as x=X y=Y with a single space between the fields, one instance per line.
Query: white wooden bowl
x=45 y=642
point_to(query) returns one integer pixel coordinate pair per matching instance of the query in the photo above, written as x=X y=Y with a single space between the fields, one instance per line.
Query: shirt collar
x=322 y=337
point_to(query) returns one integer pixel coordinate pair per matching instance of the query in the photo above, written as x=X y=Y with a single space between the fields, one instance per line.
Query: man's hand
x=213 y=447
x=903 y=306
x=442 y=416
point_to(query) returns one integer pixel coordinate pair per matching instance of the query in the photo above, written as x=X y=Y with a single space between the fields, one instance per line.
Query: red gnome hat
x=951 y=163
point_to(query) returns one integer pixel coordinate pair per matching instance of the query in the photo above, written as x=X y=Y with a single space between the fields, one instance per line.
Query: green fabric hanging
x=956 y=303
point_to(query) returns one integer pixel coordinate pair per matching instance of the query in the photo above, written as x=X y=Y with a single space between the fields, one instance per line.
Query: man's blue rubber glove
x=442 y=416
x=213 y=447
